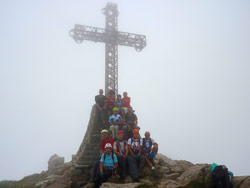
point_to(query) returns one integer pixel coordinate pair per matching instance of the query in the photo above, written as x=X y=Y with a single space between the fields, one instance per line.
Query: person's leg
x=96 y=170
x=116 y=131
x=141 y=164
x=125 y=110
x=122 y=165
x=133 y=171
x=98 y=181
x=152 y=161
x=112 y=128
x=106 y=175
x=147 y=160
x=125 y=130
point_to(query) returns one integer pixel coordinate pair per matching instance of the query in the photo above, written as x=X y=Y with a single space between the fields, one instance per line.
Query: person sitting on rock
x=105 y=139
x=149 y=149
x=114 y=121
x=130 y=123
x=119 y=104
x=108 y=165
x=136 y=160
x=110 y=101
x=126 y=102
x=101 y=108
x=121 y=150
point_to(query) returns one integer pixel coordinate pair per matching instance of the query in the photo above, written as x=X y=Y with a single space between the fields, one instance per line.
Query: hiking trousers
x=107 y=173
x=114 y=129
x=122 y=164
x=136 y=166
x=96 y=170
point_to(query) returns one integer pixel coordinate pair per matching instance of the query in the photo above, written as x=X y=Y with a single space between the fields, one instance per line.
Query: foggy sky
x=189 y=87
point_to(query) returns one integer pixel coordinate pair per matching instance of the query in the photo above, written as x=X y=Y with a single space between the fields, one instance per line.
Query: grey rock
x=171 y=176
x=195 y=175
x=164 y=170
x=55 y=162
x=165 y=161
x=114 y=185
x=241 y=182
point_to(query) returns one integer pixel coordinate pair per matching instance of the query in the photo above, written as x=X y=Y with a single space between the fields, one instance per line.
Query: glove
x=137 y=157
x=151 y=155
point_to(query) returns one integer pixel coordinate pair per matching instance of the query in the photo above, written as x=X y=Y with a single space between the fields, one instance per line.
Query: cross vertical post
x=111 y=49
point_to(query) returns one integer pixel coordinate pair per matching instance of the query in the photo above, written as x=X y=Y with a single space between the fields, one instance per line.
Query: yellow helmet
x=115 y=109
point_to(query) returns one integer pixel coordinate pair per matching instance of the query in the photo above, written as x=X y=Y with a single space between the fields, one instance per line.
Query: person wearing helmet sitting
x=121 y=150
x=105 y=139
x=149 y=149
x=108 y=165
x=130 y=123
x=136 y=160
x=114 y=121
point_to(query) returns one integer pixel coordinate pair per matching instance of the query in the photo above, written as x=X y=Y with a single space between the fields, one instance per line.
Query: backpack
x=135 y=150
x=118 y=145
x=220 y=177
x=144 y=148
x=112 y=155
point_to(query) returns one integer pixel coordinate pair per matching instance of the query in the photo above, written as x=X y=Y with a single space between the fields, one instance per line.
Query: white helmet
x=108 y=145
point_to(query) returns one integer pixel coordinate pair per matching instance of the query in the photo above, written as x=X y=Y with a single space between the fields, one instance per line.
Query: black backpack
x=112 y=155
x=220 y=177
x=146 y=150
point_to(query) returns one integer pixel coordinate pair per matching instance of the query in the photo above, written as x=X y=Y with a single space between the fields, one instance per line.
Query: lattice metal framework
x=112 y=38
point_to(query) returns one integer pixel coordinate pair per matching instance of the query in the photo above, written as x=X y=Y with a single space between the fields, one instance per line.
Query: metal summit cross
x=112 y=38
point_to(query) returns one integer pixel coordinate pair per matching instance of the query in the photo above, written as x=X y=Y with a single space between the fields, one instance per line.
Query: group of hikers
x=122 y=150
x=115 y=113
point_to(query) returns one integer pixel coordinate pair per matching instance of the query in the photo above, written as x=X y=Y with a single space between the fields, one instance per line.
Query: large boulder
x=55 y=162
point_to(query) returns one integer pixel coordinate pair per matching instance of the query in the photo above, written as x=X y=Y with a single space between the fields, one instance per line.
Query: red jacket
x=105 y=141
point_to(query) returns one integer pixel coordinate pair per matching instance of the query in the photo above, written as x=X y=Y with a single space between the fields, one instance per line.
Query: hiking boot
x=136 y=179
x=140 y=176
x=122 y=176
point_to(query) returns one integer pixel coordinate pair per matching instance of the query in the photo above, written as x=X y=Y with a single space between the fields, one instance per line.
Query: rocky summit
x=76 y=173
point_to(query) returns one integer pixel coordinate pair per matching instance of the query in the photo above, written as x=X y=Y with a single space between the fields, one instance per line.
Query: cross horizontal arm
x=82 y=32
x=133 y=40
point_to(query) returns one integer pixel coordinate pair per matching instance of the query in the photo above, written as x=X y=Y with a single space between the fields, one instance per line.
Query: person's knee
x=124 y=128
x=142 y=157
x=155 y=148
